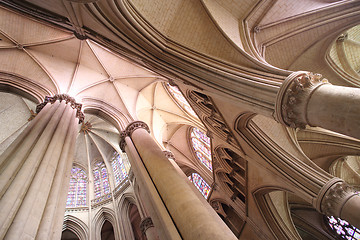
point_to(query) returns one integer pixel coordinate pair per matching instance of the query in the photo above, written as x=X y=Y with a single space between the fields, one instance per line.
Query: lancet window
x=201 y=146
x=101 y=179
x=77 y=189
x=118 y=167
x=200 y=184
x=175 y=92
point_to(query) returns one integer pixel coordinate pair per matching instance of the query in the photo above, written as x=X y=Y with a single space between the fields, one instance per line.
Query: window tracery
x=77 y=189
x=118 y=167
x=201 y=145
x=343 y=229
x=200 y=184
x=101 y=179
x=179 y=97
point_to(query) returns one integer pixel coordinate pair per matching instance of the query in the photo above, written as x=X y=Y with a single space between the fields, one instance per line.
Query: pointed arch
x=229 y=215
x=76 y=226
x=126 y=200
x=105 y=214
x=23 y=86
x=280 y=222
x=106 y=111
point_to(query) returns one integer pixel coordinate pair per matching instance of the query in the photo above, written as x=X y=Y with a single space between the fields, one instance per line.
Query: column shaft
x=335 y=108
x=191 y=217
x=154 y=204
x=51 y=225
x=32 y=173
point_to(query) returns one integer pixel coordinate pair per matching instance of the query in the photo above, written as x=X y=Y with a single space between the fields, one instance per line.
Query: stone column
x=191 y=217
x=149 y=194
x=35 y=171
x=148 y=229
x=337 y=198
x=305 y=98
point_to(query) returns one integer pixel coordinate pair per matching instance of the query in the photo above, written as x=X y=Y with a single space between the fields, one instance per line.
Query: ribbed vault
x=58 y=61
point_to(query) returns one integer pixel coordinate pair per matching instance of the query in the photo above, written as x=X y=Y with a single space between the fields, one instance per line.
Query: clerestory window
x=101 y=180
x=200 y=184
x=118 y=167
x=201 y=146
x=77 y=189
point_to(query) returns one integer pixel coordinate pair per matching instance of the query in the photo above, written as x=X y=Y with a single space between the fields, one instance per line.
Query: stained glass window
x=344 y=229
x=118 y=167
x=201 y=145
x=200 y=184
x=175 y=92
x=77 y=189
x=101 y=179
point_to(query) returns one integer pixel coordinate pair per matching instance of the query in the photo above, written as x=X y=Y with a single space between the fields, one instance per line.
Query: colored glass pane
x=175 y=92
x=343 y=229
x=200 y=184
x=77 y=189
x=119 y=169
x=201 y=146
x=101 y=180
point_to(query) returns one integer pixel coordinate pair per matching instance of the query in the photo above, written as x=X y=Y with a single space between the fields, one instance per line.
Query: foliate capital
x=293 y=98
x=136 y=125
x=333 y=196
x=145 y=224
x=122 y=141
x=169 y=154
x=215 y=205
x=129 y=130
x=67 y=99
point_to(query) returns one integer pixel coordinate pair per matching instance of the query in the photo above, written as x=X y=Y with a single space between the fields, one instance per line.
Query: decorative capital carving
x=131 y=174
x=145 y=224
x=335 y=198
x=32 y=115
x=256 y=29
x=129 y=130
x=342 y=37
x=136 y=125
x=172 y=83
x=215 y=205
x=209 y=134
x=122 y=140
x=169 y=154
x=63 y=97
x=293 y=98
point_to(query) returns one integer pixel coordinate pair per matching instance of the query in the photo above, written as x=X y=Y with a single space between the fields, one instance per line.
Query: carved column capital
x=333 y=196
x=145 y=224
x=129 y=130
x=169 y=154
x=63 y=97
x=215 y=205
x=122 y=140
x=293 y=97
x=136 y=125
